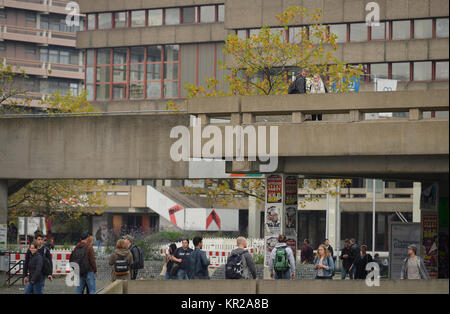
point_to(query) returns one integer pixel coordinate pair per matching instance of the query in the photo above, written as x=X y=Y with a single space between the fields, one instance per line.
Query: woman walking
x=121 y=260
x=324 y=263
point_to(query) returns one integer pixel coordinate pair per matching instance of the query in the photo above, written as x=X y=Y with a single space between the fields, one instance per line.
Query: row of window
x=156 y=17
x=51 y=85
x=358 y=32
x=150 y=72
x=409 y=71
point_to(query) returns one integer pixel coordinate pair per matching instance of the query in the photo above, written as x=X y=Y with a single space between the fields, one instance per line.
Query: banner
x=291 y=210
x=430 y=221
x=274 y=189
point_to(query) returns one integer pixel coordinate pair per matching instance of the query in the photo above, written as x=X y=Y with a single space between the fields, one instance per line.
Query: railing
x=36 y=67
x=296 y=108
x=54 y=6
x=37 y=35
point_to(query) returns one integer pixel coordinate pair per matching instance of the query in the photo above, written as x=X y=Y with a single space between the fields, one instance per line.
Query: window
x=297 y=33
x=423 y=29
x=442 y=70
x=442 y=28
x=64 y=57
x=53 y=56
x=221 y=13
x=154 y=17
x=120 y=19
x=91 y=22
x=31 y=17
x=30 y=51
x=242 y=34
x=172 y=16
x=379 y=70
x=340 y=30
x=154 y=71
x=120 y=59
x=104 y=20
x=401 y=29
x=90 y=57
x=2 y=46
x=137 y=72
x=401 y=71
x=422 y=71
x=358 y=32
x=3 y=14
x=189 y=15
x=380 y=32
x=207 y=14
x=138 y=18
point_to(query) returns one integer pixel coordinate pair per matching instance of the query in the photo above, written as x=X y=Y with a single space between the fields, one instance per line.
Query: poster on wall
x=291 y=221
x=100 y=224
x=274 y=189
x=291 y=191
x=272 y=223
x=430 y=222
x=292 y=242
x=270 y=243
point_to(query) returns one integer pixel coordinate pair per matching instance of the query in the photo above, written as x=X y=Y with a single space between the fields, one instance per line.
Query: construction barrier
x=60 y=260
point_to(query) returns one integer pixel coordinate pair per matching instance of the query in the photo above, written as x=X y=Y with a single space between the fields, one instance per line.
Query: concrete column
x=417 y=191
x=332 y=219
x=254 y=218
x=3 y=201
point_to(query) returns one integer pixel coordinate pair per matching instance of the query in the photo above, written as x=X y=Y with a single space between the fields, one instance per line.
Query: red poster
x=430 y=242
x=274 y=189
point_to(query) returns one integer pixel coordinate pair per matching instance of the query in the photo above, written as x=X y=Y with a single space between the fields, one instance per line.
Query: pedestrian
x=299 y=85
x=413 y=266
x=317 y=86
x=99 y=238
x=240 y=264
x=379 y=262
x=121 y=260
x=83 y=255
x=329 y=248
x=324 y=263
x=198 y=262
x=361 y=262
x=90 y=242
x=35 y=277
x=138 y=257
x=282 y=260
x=346 y=260
x=354 y=254
x=169 y=262
x=44 y=251
x=307 y=253
x=181 y=257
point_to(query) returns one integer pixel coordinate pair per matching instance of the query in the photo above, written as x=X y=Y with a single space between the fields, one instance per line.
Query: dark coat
x=44 y=251
x=307 y=254
x=198 y=265
x=360 y=264
x=35 y=268
x=298 y=86
x=346 y=262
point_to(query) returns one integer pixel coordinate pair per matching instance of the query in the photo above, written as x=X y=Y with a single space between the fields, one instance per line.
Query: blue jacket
x=198 y=265
x=328 y=262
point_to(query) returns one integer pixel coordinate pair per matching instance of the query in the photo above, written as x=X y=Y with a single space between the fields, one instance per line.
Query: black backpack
x=234 y=268
x=138 y=257
x=79 y=256
x=121 y=265
x=47 y=268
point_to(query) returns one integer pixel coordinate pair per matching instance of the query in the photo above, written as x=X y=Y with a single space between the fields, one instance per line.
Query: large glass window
x=221 y=13
x=207 y=14
x=138 y=18
x=155 y=17
x=423 y=29
x=120 y=65
x=189 y=15
x=380 y=32
x=172 y=16
x=103 y=56
x=422 y=71
x=442 y=70
x=104 y=20
x=401 y=71
x=340 y=30
x=401 y=29
x=442 y=28
x=358 y=32
x=379 y=70
x=121 y=19
x=296 y=34
x=137 y=72
x=171 y=52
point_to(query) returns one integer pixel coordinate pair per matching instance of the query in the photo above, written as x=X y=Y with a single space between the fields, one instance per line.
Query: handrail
x=76 y=114
x=36 y=30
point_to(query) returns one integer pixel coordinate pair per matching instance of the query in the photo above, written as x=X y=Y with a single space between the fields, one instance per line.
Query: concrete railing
x=243 y=110
x=240 y=287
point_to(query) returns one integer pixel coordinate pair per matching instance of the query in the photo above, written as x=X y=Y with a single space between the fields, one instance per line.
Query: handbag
x=163 y=270
x=174 y=269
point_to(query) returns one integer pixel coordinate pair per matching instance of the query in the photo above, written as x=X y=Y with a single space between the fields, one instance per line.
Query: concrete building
x=35 y=37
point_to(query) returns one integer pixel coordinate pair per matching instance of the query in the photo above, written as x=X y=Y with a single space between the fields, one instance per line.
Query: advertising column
x=273 y=213
x=291 y=209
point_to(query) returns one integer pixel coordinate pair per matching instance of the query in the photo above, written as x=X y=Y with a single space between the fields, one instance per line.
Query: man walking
x=354 y=256
x=84 y=256
x=346 y=259
x=198 y=263
x=138 y=258
x=181 y=256
x=282 y=260
x=329 y=248
x=240 y=264
x=413 y=266
x=299 y=85
x=47 y=268
x=307 y=253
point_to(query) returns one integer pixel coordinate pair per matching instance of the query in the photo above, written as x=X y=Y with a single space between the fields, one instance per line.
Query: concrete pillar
x=417 y=191
x=254 y=218
x=332 y=219
x=3 y=201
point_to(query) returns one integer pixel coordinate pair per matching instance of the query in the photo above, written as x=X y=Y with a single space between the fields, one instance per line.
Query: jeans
x=35 y=288
x=344 y=273
x=99 y=244
x=182 y=275
x=89 y=281
x=352 y=273
x=283 y=276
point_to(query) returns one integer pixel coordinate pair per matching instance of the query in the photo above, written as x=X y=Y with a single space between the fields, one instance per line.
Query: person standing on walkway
x=169 y=262
x=346 y=259
x=282 y=260
x=329 y=248
x=413 y=266
x=198 y=262
x=181 y=256
x=361 y=262
x=323 y=263
x=240 y=264
x=47 y=269
x=121 y=260
x=35 y=277
x=138 y=257
x=317 y=86
x=354 y=254
x=299 y=85
x=307 y=253
x=84 y=256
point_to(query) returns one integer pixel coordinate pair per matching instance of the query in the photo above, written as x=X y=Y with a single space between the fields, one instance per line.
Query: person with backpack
x=240 y=264
x=138 y=256
x=35 y=276
x=44 y=251
x=198 y=262
x=324 y=263
x=282 y=260
x=121 y=260
x=300 y=84
x=181 y=257
x=83 y=255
